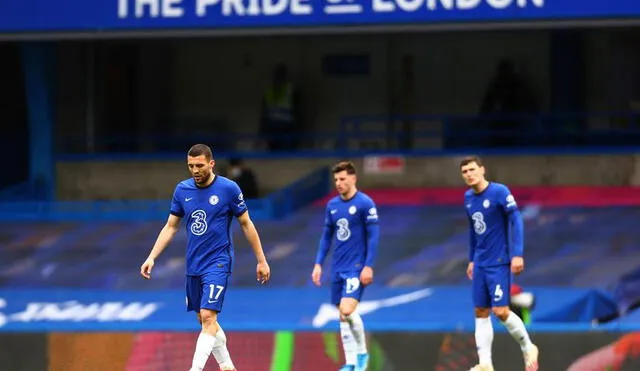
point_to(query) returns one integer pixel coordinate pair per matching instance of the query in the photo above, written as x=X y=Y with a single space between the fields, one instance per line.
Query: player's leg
x=348 y=339
x=212 y=339
x=194 y=298
x=483 y=329
x=351 y=296
x=500 y=285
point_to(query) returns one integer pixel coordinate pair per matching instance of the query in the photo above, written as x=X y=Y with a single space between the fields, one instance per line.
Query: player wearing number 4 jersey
x=351 y=221
x=208 y=202
x=495 y=253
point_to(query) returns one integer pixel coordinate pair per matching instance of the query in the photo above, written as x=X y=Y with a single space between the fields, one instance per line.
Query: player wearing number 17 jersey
x=495 y=252
x=208 y=203
x=351 y=223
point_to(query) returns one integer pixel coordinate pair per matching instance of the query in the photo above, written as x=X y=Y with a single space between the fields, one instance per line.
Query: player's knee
x=346 y=311
x=208 y=318
x=501 y=312
x=482 y=312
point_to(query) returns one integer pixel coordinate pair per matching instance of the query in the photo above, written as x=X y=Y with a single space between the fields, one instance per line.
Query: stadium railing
x=413 y=134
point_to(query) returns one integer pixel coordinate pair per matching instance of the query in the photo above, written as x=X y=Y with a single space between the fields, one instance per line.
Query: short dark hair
x=469 y=159
x=199 y=150
x=347 y=166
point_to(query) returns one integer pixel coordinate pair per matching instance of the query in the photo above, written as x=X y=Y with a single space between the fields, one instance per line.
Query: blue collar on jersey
x=349 y=199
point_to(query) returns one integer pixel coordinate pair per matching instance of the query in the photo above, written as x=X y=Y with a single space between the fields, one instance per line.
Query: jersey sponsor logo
x=511 y=201
x=479 y=226
x=343 y=233
x=198 y=222
x=373 y=214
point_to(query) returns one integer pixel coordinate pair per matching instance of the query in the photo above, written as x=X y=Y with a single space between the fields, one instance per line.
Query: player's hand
x=470 y=270
x=366 y=276
x=316 y=275
x=146 y=268
x=263 y=272
x=517 y=265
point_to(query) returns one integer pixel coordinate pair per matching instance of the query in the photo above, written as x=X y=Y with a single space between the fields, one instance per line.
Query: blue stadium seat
x=579 y=247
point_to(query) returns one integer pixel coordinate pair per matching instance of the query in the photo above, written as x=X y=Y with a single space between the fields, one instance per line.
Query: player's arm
x=325 y=239
x=166 y=234
x=516 y=225
x=472 y=247
x=251 y=233
x=241 y=212
x=164 y=237
x=515 y=232
x=373 y=236
x=323 y=247
x=263 y=272
x=472 y=240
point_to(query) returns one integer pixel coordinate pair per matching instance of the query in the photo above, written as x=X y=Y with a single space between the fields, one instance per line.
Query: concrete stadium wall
x=151 y=180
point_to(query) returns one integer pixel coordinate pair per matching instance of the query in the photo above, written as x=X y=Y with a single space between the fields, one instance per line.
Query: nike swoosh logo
x=328 y=312
x=188 y=199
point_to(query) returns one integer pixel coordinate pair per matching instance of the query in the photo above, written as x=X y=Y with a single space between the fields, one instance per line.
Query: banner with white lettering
x=270 y=309
x=106 y=15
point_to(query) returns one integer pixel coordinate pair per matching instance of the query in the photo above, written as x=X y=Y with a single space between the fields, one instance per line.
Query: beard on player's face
x=202 y=176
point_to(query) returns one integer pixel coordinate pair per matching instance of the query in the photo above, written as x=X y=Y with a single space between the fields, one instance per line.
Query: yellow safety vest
x=279 y=104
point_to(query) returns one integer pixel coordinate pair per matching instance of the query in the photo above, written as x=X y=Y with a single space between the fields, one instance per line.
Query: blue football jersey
x=348 y=220
x=208 y=213
x=488 y=213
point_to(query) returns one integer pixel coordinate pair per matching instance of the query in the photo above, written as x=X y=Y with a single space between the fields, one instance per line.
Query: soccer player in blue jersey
x=495 y=253
x=351 y=221
x=208 y=202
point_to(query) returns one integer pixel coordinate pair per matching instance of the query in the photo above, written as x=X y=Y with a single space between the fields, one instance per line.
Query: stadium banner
x=384 y=165
x=293 y=309
x=311 y=351
x=114 y=15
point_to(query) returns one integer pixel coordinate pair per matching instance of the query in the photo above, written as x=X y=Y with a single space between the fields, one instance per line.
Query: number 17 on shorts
x=206 y=291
